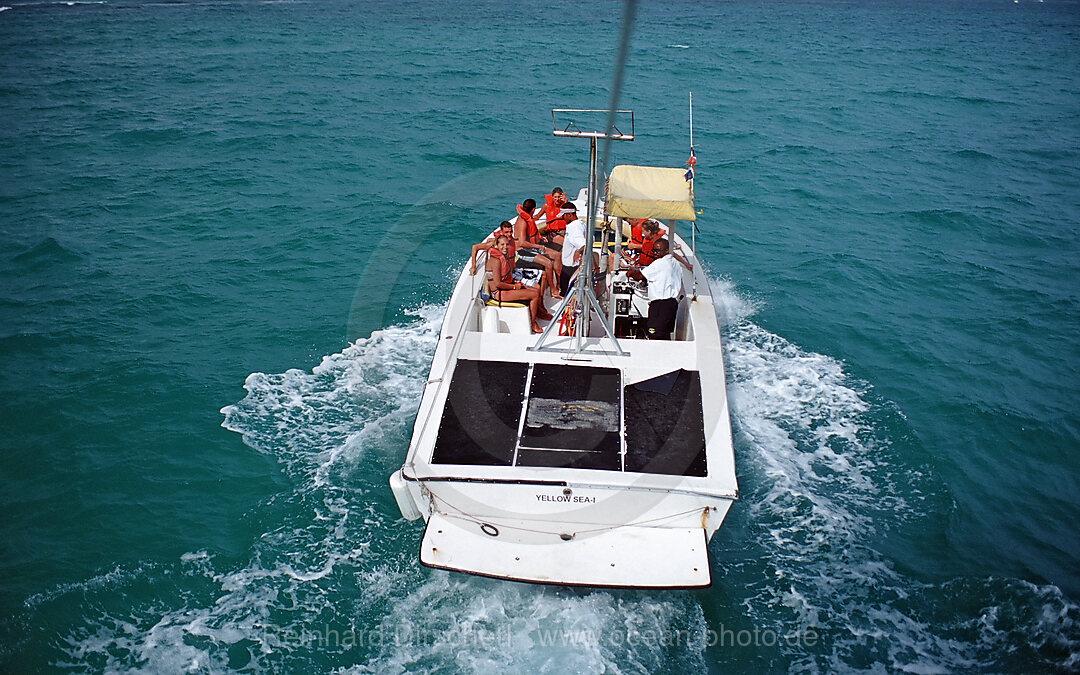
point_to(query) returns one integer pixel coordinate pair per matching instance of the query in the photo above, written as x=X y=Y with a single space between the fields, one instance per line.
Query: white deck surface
x=651 y=557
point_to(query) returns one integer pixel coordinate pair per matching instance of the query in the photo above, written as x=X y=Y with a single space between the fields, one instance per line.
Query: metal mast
x=583 y=291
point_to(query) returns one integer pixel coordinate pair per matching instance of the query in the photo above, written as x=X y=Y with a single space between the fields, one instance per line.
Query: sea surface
x=229 y=229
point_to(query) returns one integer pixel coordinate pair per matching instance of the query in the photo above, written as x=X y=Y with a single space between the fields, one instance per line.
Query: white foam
x=319 y=421
x=732 y=307
x=811 y=467
x=477 y=625
x=114 y=577
x=323 y=426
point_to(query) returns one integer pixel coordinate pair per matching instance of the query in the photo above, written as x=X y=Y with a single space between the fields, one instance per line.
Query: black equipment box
x=631 y=327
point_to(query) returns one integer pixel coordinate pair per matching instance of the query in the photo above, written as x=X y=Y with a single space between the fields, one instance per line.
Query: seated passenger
x=644 y=233
x=505 y=227
x=529 y=273
x=554 y=224
x=503 y=288
x=527 y=240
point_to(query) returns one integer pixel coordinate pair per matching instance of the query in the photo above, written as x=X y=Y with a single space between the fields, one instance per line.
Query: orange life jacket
x=645 y=256
x=532 y=234
x=506 y=267
x=495 y=237
x=554 y=223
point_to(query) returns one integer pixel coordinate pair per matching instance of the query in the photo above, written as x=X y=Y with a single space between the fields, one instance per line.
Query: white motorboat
x=596 y=458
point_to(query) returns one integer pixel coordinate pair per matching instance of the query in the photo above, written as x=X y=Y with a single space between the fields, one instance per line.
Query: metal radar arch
x=582 y=297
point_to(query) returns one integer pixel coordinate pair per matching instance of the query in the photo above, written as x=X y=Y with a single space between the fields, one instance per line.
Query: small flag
x=689 y=175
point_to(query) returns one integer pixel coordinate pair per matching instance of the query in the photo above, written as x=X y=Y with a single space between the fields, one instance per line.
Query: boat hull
x=556 y=532
x=583 y=461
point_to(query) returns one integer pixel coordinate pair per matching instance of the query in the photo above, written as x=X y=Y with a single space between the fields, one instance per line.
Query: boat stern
x=622 y=557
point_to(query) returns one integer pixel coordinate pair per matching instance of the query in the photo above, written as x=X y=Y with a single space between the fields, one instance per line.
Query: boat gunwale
x=578 y=478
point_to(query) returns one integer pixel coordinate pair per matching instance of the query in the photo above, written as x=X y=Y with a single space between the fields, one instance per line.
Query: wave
x=336 y=430
x=317 y=422
x=45 y=252
x=974 y=155
x=465 y=624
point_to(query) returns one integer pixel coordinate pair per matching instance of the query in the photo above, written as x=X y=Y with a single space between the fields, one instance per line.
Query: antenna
x=571 y=128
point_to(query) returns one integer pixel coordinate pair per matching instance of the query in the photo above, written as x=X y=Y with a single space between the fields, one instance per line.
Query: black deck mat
x=665 y=433
x=572 y=419
x=480 y=420
x=572 y=408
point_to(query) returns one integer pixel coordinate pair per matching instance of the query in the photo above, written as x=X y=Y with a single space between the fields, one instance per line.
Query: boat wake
x=333 y=582
x=824 y=484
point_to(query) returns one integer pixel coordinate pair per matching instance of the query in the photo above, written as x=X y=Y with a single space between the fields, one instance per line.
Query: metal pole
x=616 y=263
x=693 y=223
x=582 y=291
x=585 y=271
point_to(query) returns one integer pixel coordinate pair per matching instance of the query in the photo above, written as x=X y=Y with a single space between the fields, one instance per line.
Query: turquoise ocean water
x=228 y=230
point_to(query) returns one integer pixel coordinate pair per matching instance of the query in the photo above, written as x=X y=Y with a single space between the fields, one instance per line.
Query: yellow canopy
x=649 y=192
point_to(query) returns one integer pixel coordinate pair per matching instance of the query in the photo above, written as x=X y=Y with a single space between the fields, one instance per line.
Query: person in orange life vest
x=555 y=224
x=541 y=277
x=643 y=236
x=529 y=246
x=501 y=284
x=505 y=227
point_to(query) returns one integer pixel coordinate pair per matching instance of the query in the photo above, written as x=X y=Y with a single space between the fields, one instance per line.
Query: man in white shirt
x=573 y=245
x=665 y=284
